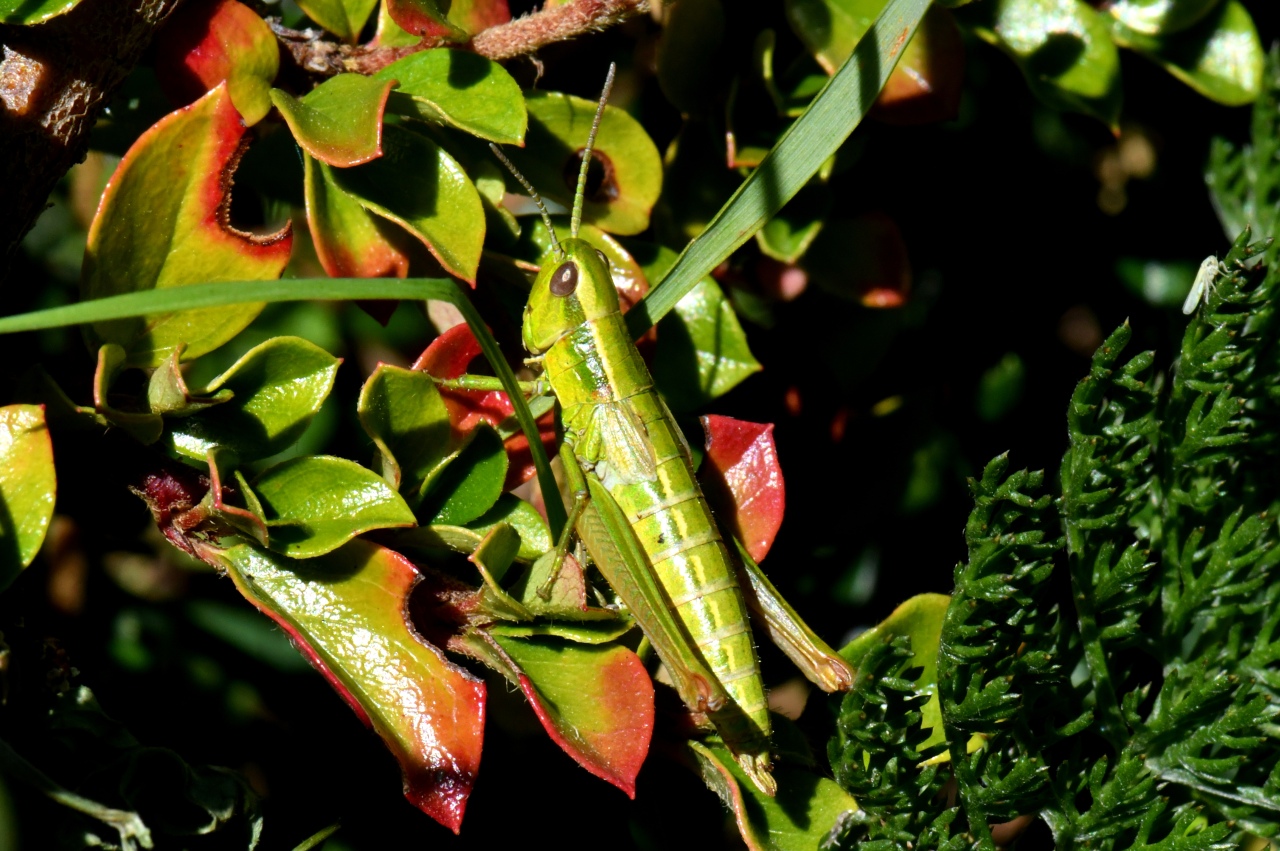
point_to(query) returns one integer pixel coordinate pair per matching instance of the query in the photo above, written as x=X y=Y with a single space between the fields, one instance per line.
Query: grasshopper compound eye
x=565 y=279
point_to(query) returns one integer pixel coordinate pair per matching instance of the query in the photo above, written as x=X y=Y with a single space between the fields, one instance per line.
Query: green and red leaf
x=28 y=486
x=741 y=475
x=448 y=356
x=339 y=122
x=164 y=221
x=346 y=612
x=595 y=701
x=424 y=18
x=208 y=41
x=350 y=241
x=924 y=87
x=417 y=185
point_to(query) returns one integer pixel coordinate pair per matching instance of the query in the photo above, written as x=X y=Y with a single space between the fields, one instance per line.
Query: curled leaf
x=350 y=241
x=179 y=172
x=742 y=476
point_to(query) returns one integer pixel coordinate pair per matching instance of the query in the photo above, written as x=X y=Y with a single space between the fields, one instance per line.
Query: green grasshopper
x=637 y=507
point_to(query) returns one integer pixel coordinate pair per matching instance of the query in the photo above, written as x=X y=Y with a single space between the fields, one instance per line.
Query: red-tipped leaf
x=742 y=478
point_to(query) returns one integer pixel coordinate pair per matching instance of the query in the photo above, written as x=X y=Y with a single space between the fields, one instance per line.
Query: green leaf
x=178 y=172
x=788 y=235
x=339 y=122
x=346 y=613
x=316 y=503
x=798 y=818
x=689 y=69
x=830 y=29
x=596 y=702
x=535 y=537
x=702 y=349
x=456 y=88
x=349 y=240
x=401 y=410
x=277 y=387
x=920 y=619
x=1160 y=17
x=801 y=150
x=28 y=486
x=1063 y=48
x=1221 y=57
x=33 y=11
x=470 y=485
x=558 y=127
x=421 y=188
x=343 y=18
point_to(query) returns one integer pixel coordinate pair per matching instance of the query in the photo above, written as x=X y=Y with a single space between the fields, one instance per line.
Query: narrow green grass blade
x=806 y=145
x=311 y=289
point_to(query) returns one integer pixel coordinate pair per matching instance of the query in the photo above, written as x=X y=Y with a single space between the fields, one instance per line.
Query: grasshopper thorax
x=573 y=287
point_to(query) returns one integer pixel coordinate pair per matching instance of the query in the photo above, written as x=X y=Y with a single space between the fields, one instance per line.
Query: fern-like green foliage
x=1110 y=660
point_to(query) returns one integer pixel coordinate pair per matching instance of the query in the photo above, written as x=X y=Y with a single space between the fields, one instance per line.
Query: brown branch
x=55 y=78
x=320 y=57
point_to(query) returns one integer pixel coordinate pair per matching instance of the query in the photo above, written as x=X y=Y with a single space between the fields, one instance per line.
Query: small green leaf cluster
x=1108 y=661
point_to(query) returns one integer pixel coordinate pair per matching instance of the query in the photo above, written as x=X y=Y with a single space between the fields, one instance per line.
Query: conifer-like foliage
x=1110 y=659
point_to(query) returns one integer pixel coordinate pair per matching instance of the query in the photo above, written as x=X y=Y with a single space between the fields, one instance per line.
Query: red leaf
x=742 y=477
x=208 y=41
x=448 y=356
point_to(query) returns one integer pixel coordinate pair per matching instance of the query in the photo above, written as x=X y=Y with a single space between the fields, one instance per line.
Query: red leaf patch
x=742 y=478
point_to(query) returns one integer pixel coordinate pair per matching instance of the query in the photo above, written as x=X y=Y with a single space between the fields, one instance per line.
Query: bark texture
x=55 y=79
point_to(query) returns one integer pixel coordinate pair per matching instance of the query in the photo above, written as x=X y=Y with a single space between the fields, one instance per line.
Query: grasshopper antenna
x=533 y=193
x=576 y=220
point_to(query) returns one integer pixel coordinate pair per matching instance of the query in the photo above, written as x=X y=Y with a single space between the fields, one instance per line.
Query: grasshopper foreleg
x=537 y=387
x=580 y=499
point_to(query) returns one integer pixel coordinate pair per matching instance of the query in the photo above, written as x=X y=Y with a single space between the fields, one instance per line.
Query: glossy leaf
x=179 y=172
x=402 y=411
x=277 y=387
x=1159 y=17
x=28 y=486
x=632 y=170
x=206 y=42
x=1221 y=57
x=596 y=702
x=862 y=259
x=742 y=475
x=470 y=484
x=343 y=18
x=925 y=87
x=421 y=188
x=800 y=152
x=33 y=11
x=798 y=818
x=920 y=619
x=1063 y=48
x=316 y=503
x=339 y=122
x=349 y=240
x=424 y=18
x=456 y=88
x=535 y=537
x=346 y=613
x=702 y=350
x=449 y=356
x=830 y=29
x=168 y=394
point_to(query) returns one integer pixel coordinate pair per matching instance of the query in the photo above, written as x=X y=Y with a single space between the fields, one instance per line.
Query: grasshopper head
x=572 y=288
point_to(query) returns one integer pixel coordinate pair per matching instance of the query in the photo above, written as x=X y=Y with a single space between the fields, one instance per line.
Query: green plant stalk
x=796 y=157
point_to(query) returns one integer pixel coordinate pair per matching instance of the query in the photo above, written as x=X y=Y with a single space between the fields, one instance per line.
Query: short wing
x=616 y=444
